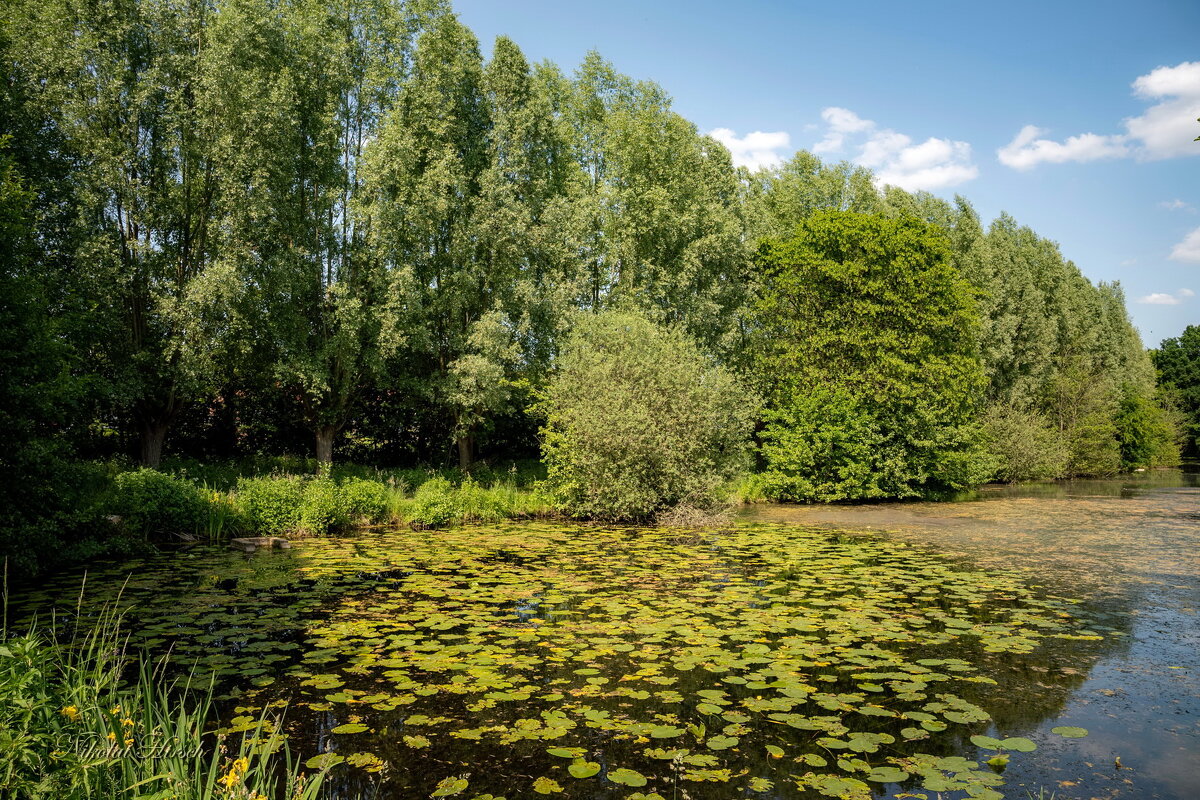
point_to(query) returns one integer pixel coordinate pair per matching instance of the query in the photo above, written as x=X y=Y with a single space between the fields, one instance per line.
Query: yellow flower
x=129 y=742
x=241 y=765
x=71 y=713
x=112 y=737
x=127 y=722
x=116 y=709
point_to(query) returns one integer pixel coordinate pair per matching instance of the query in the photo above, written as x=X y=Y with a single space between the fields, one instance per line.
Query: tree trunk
x=325 y=443
x=464 y=450
x=153 y=434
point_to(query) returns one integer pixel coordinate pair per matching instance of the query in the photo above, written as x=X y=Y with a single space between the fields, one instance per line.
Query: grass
x=72 y=726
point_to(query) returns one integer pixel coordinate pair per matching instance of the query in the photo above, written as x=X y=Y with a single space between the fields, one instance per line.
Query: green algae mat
x=527 y=660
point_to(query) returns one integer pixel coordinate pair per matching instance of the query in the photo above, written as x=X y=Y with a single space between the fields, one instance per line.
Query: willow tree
x=302 y=89
x=122 y=79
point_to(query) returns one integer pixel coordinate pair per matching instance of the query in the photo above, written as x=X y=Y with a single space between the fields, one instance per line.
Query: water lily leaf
x=324 y=761
x=448 y=787
x=987 y=742
x=545 y=785
x=722 y=742
x=627 y=777
x=583 y=769
x=566 y=752
x=887 y=775
x=1019 y=744
x=350 y=727
x=1070 y=731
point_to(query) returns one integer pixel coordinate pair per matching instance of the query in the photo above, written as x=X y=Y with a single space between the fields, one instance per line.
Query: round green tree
x=638 y=421
x=867 y=353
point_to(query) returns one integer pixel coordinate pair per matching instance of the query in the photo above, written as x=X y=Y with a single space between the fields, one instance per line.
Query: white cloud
x=932 y=164
x=1176 y=205
x=1188 y=249
x=840 y=122
x=1166 y=130
x=754 y=150
x=1163 y=299
x=1027 y=150
x=1159 y=299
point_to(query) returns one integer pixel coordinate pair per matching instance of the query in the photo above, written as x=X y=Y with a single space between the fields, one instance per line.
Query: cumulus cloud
x=1188 y=249
x=1028 y=150
x=1159 y=299
x=1166 y=130
x=895 y=158
x=754 y=150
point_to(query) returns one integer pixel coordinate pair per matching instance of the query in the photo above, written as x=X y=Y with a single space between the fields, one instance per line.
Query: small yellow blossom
x=116 y=709
x=71 y=713
x=127 y=722
x=112 y=737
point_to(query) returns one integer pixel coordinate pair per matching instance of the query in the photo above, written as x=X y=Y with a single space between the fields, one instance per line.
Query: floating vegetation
x=555 y=660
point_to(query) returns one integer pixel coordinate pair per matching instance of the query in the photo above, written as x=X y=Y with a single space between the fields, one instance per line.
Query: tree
x=122 y=79
x=1177 y=361
x=868 y=355
x=638 y=420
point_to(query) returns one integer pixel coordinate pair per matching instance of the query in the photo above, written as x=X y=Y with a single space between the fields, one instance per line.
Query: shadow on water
x=801 y=647
x=1129 y=547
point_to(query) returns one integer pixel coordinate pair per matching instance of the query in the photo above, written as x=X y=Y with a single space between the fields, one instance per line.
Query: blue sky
x=1025 y=107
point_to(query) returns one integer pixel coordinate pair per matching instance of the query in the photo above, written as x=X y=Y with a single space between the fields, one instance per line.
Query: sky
x=1077 y=119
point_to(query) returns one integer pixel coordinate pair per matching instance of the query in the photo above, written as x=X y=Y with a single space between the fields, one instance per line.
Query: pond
x=799 y=652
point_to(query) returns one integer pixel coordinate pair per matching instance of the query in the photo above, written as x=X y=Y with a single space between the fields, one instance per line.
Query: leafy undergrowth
x=526 y=659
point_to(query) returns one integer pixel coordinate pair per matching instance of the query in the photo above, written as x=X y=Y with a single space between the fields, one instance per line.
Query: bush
x=638 y=421
x=436 y=503
x=365 y=500
x=1024 y=446
x=151 y=503
x=270 y=505
x=323 y=508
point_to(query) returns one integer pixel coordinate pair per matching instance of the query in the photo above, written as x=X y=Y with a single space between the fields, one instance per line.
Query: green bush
x=638 y=420
x=365 y=500
x=1024 y=446
x=270 y=505
x=436 y=503
x=151 y=503
x=323 y=508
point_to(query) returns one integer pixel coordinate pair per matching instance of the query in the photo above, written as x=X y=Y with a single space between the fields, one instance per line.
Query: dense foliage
x=1178 y=363
x=234 y=228
x=868 y=356
x=639 y=420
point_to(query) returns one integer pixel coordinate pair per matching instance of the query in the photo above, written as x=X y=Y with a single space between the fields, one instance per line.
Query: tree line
x=236 y=226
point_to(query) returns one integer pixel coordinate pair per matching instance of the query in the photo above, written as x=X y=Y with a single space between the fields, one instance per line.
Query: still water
x=1129 y=546
x=800 y=652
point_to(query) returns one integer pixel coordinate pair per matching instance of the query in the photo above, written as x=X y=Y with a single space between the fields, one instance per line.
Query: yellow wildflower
x=127 y=722
x=129 y=742
x=71 y=713
x=116 y=709
x=112 y=737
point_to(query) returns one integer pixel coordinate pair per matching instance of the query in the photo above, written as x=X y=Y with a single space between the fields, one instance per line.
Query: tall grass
x=72 y=727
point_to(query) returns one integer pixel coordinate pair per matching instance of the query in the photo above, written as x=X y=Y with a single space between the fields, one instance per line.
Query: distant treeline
x=257 y=226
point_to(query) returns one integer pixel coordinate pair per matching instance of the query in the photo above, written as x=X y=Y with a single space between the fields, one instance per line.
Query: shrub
x=151 y=503
x=1023 y=444
x=638 y=420
x=436 y=503
x=365 y=500
x=323 y=508
x=270 y=505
